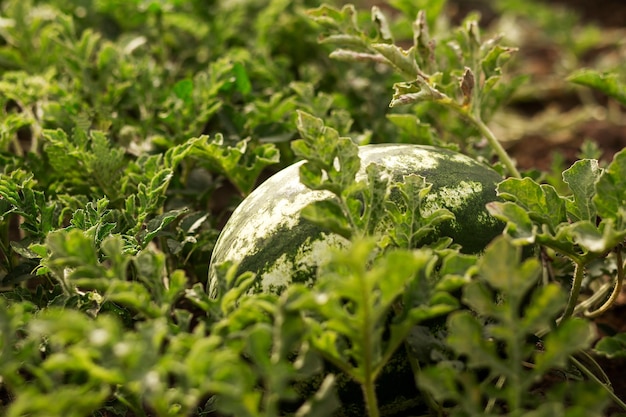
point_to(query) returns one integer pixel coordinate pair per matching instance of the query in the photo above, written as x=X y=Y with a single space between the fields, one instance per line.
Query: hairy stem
x=579 y=272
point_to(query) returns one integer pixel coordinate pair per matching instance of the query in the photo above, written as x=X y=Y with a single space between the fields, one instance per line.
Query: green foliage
x=352 y=300
x=129 y=130
x=459 y=71
x=587 y=223
x=493 y=339
x=360 y=207
x=608 y=83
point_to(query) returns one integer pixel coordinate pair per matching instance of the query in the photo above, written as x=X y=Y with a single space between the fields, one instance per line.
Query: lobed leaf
x=581 y=178
x=541 y=201
x=607 y=83
x=570 y=337
x=610 y=195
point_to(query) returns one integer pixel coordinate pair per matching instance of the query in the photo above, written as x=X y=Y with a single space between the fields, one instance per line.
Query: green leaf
x=495 y=269
x=332 y=161
x=183 y=89
x=610 y=195
x=410 y=8
x=22 y=198
x=542 y=202
x=332 y=164
x=570 y=337
x=466 y=338
x=612 y=346
x=607 y=83
x=518 y=223
x=398 y=58
x=494 y=59
x=382 y=24
x=157 y=224
x=408 y=225
x=546 y=303
x=354 y=295
x=412 y=130
x=595 y=239
x=241 y=163
x=344 y=20
x=329 y=215
x=441 y=382
x=581 y=178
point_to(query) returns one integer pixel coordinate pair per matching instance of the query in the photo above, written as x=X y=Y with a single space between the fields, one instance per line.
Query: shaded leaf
x=612 y=346
x=570 y=337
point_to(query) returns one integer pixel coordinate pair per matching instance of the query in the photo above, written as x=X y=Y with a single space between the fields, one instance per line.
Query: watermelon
x=267 y=235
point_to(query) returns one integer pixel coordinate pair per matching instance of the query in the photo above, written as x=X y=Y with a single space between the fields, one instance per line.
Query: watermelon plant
x=271 y=208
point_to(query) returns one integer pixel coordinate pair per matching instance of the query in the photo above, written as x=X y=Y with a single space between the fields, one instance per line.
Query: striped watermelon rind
x=267 y=235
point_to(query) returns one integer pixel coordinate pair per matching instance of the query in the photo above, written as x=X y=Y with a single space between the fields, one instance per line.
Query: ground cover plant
x=130 y=130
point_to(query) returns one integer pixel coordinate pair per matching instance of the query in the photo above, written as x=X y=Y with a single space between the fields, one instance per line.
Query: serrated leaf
x=610 y=195
x=328 y=16
x=415 y=92
x=495 y=268
x=382 y=24
x=466 y=338
x=480 y=298
x=354 y=296
x=543 y=203
x=581 y=178
x=545 y=304
x=595 y=239
x=409 y=226
x=398 y=58
x=332 y=164
x=372 y=197
x=607 y=83
x=157 y=224
x=241 y=163
x=494 y=59
x=332 y=161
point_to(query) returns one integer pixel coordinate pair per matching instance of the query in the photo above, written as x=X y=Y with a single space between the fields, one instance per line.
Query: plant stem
x=591 y=375
x=579 y=271
x=371 y=401
x=369 y=374
x=485 y=131
x=619 y=280
x=495 y=145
